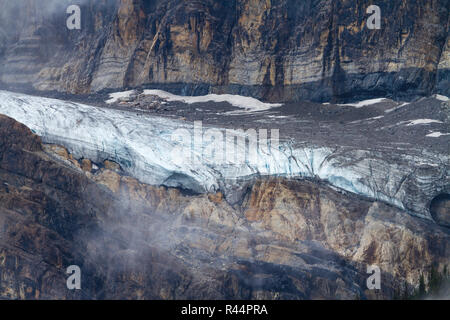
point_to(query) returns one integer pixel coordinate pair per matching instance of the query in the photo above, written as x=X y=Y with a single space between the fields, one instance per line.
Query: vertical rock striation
x=283 y=50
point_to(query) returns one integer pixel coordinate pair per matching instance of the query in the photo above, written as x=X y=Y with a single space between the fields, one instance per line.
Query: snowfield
x=247 y=103
x=422 y=121
x=441 y=97
x=437 y=134
x=116 y=96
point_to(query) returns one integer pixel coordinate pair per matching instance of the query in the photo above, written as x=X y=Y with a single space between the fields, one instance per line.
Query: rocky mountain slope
x=279 y=50
x=287 y=239
x=122 y=173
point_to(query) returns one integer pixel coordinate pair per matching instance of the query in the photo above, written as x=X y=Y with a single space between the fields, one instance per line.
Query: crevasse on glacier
x=144 y=147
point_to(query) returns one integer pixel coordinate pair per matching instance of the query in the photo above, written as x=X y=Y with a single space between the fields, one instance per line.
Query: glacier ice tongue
x=145 y=148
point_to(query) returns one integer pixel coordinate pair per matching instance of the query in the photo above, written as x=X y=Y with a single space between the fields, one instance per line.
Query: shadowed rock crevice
x=440 y=209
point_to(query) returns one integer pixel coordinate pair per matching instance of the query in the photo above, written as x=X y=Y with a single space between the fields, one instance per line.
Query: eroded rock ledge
x=288 y=238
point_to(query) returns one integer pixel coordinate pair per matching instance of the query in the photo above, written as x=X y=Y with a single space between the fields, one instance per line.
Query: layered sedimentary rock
x=288 y=238
x=279 y=50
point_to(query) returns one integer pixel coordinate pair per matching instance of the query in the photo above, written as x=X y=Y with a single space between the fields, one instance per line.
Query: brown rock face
x=111 y=165
x=59 y=151
x=272 y=49
x=288 y=239
x=361 y=231
x=86 y=165
x=16 y=135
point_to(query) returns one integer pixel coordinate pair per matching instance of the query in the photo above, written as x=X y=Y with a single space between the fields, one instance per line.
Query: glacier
x=145 y=148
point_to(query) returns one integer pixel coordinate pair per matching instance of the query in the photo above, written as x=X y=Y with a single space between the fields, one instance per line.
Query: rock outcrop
x=288 y=238
x=280 y=50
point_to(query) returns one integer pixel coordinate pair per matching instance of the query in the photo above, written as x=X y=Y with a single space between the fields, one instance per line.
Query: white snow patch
x=437 y=134
x=434 y=165
x=422 y=121
x=397 y=107
x=368 y=119
x=116 y=96
x=363 y=103
x=441 y=97
x=375 y=118
x=247 y=103
x=277 y=117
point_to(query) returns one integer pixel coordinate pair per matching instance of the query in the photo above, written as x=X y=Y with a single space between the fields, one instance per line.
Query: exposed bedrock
x=280 y=50
x=288 y=238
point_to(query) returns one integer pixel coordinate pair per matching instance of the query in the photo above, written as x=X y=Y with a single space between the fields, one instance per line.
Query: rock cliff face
x=287 y=239
x=281 y=50
x=346 y=186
